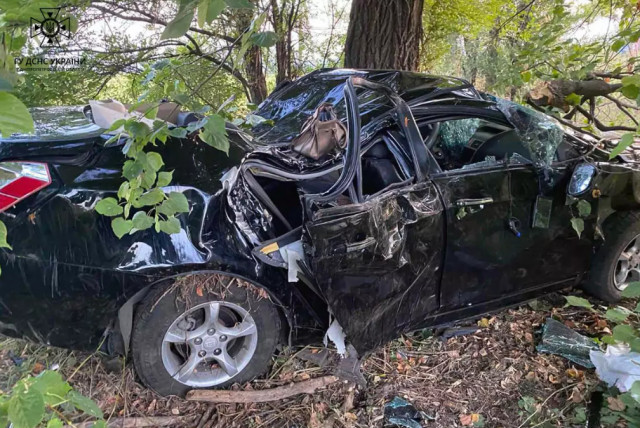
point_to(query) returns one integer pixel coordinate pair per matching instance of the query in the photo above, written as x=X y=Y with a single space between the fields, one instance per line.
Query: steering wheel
x=433 y=135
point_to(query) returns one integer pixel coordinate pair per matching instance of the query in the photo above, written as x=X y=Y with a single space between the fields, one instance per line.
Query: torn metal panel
x=378 y=263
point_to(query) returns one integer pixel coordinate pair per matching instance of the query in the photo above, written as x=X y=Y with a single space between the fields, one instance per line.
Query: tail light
x=19 y=180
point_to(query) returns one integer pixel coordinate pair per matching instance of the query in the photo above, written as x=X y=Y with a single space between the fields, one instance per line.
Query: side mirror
x=581 y=179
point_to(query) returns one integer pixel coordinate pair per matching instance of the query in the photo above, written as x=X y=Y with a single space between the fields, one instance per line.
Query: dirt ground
x=493 y=378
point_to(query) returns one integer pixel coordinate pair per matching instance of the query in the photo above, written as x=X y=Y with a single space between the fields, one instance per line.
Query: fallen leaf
x=199 y=291
x=175 y=411
x=615 y=404
x=484 y=323
x=466 y=420
x=37 y=368
x=528 y=337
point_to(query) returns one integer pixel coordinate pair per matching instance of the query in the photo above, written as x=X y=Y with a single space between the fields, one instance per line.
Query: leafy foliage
x=44 y=398
x=626 y=331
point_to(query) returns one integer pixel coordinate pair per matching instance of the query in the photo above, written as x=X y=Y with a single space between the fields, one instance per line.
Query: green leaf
x=180 y=24
x=239 y=4
x=148 y=179
x=109 y=207
x=630 y=91
x=124 y=190
x=26 y=407
x=208 y=10
x=616 y=315
x=265 y=39
x=578 y=225
x=14 y=116
x=179 y=202
x=172 y=225
x=584 y=208
x=142 y=221
x=52 y=387
x=625 y=141
x=624 y=333
x=178 y=132
x=154 y=160
x=55 y=423
x=573 y=99
x=635 y=391
x=3 y=236
x=85 y=404
x=151 y=113
x=578 y=301
x=525 y=76
x=164 y=178
x=214 y=133
x=137 y=129
x=618 y=44
x=632 y=290
x=117 y=125
x=121 y=226
x=631 y=80
x=152 y=197
x=132 y=169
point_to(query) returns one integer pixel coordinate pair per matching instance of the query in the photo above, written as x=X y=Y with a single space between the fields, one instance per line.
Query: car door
x=494 y=251
x=378 y=263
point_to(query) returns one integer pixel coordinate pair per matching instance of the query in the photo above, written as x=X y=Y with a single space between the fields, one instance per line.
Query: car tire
x=619 y=231
x=171 y=308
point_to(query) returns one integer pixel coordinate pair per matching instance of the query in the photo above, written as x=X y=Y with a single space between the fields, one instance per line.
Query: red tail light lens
x=19 y=180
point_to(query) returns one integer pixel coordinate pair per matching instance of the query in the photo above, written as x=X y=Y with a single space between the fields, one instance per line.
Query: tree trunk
x=384 y=34
x=253 y=67
x=284 y=16
x=255 y=75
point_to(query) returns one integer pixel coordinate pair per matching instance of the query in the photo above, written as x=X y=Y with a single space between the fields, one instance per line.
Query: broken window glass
x=539 y=132
x=455 y=134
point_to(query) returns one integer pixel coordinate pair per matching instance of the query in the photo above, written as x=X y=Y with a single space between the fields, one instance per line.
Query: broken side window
x=476 y=143
x=539 y=132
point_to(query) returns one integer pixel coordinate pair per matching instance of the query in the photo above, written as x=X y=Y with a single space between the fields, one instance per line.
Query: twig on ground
x=157 y=421
x=305 y=387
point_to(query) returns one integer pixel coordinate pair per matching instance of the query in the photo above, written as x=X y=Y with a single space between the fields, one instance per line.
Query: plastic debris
x=457 y=331
x=618 y=366
x=291 y=254
x=337 y=336
x=559 y=339
x=400 y=413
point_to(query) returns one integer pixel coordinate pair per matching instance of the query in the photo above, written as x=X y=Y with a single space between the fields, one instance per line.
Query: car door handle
x=471 y=202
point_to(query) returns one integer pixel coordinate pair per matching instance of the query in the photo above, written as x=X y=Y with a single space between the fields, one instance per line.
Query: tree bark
x=253 y=67
x=553 y=92
x=384 y=34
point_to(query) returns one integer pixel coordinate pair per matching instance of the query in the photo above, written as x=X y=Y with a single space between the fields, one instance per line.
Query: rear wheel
x=617 y=262
x=198 y=337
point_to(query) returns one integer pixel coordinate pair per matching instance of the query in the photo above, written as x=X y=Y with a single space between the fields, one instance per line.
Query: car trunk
x=63 y=133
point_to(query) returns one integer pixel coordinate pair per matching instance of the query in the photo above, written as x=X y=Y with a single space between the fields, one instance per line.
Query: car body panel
x=385 y=264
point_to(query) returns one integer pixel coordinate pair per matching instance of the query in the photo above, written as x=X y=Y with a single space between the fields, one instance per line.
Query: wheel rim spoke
x=176 y=335
x=193 y=340
x=187 y=369
x=226 y=362
x=625 y=257
x=623 y=273
x=245 y=328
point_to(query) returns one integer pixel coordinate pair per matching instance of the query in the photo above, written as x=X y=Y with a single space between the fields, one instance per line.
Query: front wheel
x=203 y=331
x=617 y=262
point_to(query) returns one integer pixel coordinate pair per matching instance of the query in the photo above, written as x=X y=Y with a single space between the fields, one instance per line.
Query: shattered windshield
x=539 y=132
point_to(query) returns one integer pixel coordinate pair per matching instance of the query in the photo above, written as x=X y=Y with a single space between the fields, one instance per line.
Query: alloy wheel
x=209 y=344
x=628 y=265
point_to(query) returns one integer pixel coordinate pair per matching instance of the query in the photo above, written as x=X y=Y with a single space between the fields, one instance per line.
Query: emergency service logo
x=50 y=29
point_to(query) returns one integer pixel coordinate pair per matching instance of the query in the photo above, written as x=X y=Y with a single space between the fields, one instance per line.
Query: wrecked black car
x=444 y=203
